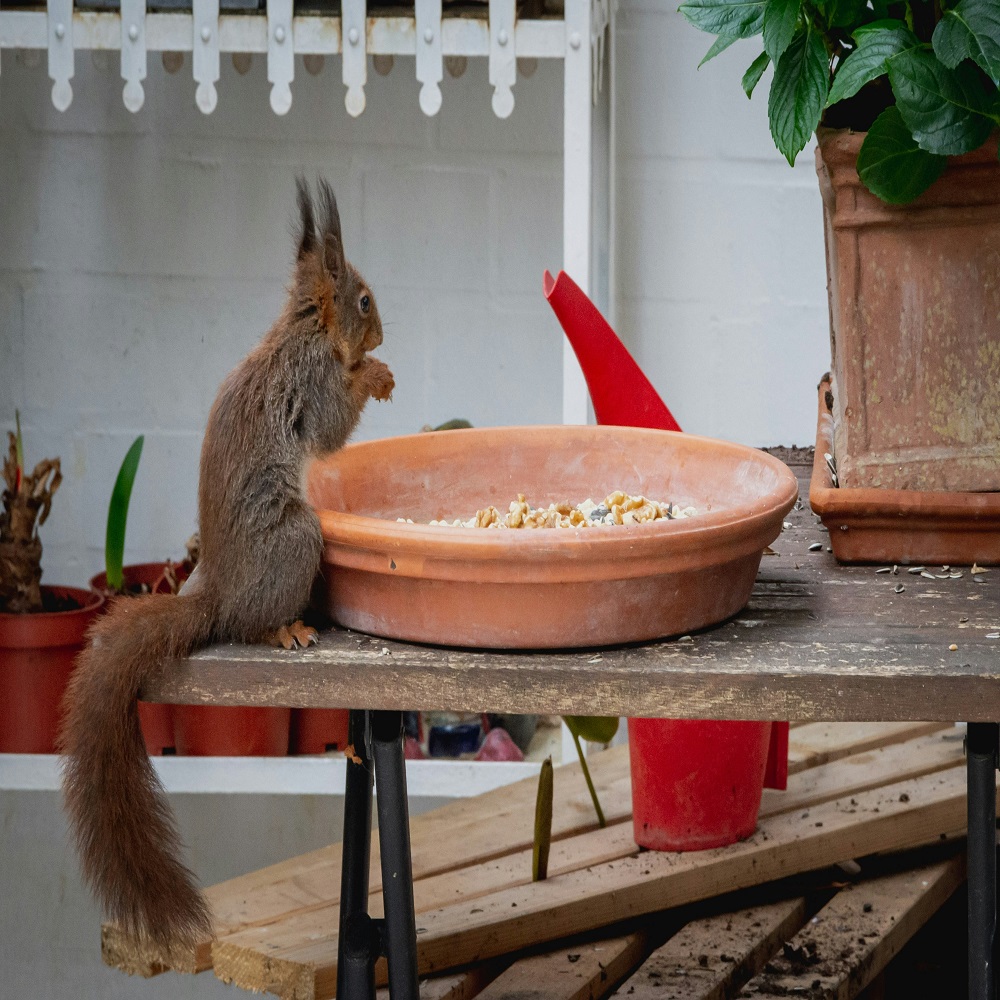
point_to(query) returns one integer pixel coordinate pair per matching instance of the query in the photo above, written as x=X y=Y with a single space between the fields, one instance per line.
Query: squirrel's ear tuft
x=307 y=219
x=331 y=216
x=333 y=257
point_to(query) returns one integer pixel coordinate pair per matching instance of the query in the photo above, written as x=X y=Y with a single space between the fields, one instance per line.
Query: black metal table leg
x=394 y=839
x=982 y=745
x=357 y=947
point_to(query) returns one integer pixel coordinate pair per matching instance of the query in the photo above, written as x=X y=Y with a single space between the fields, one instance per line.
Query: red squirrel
x=298 y=395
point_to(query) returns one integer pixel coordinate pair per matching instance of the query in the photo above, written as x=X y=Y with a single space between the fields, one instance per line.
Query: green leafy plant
x=114 y=540
x=921 y=77
x=594 y=729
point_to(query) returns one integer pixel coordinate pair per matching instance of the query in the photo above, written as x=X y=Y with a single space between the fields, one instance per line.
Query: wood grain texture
x=855 y=936
x=708 y=959
x=817 y=641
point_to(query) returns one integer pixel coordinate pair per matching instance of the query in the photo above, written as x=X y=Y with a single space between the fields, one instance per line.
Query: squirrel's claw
x=294 y=636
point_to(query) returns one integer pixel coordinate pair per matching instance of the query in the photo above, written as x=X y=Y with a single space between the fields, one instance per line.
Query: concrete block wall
x=142 y=255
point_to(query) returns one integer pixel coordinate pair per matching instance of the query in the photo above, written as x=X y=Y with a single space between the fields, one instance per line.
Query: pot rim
x=45 y=629
x=660 y=540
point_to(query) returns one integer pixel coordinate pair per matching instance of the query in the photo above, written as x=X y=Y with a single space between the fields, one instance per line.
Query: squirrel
x=297 y=396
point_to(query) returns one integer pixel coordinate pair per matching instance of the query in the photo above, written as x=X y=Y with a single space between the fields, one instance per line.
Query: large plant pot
x=37 y=652
x=914 y=295
x=696 y=785
x=156 y=721
x=223 y=731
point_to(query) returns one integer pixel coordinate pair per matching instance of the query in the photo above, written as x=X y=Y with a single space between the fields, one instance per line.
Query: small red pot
x=37 y=653
x=156 y=721
x=318 y=730
x=224 y=731
x=696 y=784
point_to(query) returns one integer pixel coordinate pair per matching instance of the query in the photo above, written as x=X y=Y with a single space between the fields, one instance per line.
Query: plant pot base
x=907 y=527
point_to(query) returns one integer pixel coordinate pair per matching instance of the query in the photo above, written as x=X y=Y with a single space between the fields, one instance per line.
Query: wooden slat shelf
x=649 y=918
x=816 y=641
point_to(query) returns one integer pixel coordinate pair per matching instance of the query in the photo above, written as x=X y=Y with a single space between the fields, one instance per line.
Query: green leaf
x=543 y=823
x=752 y=76
x=593 y=728
x=719 y=45
x=798 y=92
x=114 y=543
x=843 y=13
x=732 y=18
x=870 y=59
x=945 y=109
x=457 y=424
x=971 y=30
x=891 y=164
x=780 y=20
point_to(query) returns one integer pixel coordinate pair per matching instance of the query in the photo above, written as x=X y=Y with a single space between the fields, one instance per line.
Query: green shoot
x=595 y=729
x=114 y=544
x=543 y=823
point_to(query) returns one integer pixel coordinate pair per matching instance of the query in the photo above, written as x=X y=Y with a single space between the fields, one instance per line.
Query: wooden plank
x=844 y=777
x=820 y=742
x=855 y=936
x=899 y=815
x=707 y=959
x=460 y=833
x=458 y=986
x=470 y=831
x=586 y=971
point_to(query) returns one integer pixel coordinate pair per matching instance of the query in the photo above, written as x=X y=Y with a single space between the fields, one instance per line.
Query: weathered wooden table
x=817 y=642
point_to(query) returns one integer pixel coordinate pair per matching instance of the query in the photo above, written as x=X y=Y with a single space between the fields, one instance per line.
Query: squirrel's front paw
x=379 y=379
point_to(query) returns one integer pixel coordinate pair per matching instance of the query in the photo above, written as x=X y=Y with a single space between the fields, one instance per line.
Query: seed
x=786 y=525
x=816 y=547
x=979 y=579
x=963 y=619
x=977 y=570
x=940 y=576
x=953 y=647
x=993 y=635
x=899 y=588
x=956 y=575
x=945 y=569
x=915 y=569
x=895 y=571
x=884 y=569
x=927 y=576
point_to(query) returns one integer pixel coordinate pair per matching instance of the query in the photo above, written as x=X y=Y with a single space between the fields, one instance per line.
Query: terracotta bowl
x=542 y=588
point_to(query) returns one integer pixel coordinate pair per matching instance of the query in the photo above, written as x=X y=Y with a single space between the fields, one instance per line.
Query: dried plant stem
x=27 y=500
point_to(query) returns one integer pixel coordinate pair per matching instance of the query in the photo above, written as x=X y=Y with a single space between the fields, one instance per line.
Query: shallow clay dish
x=900 y=526
x=542 y=588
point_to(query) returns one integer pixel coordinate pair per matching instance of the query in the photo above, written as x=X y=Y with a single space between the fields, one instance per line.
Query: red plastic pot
x=317 y=730
x=696 y=785
x=37 y=652
x=156 y=721
x=223 y=731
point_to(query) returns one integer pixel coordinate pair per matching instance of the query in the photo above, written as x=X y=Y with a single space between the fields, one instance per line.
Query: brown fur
x=299 y=394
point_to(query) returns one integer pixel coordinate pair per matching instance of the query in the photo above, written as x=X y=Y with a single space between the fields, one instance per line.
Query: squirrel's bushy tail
x=124 y=830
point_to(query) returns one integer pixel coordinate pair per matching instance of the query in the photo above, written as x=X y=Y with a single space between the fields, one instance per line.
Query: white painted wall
x=141 y=256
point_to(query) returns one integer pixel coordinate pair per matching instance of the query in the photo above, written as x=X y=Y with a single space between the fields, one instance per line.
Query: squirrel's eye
x=365 y=303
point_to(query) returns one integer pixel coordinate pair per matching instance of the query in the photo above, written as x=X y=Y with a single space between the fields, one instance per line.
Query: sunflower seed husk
x=928 y=576
x=884 y=569
x=940 y=576
x=993 y=635
x=816 y=547
x=979 y=579
x=958 y=574
x=977 y=570
x=895 y=570
x=899 y=588
x=915 y=569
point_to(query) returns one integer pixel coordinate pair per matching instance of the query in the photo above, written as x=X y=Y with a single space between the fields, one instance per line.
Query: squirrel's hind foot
x=294 y=636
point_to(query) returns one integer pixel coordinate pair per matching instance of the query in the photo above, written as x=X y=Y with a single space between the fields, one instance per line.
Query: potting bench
x=817 y=642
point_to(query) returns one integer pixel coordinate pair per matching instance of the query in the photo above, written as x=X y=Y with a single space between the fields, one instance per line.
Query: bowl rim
x=705 y=531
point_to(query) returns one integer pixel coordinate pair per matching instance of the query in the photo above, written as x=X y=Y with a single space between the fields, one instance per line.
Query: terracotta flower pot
x=37 y=652
x=156 y=721
x=224 y=731
x=914 y=294
x=542 y=588
x=318 y=730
